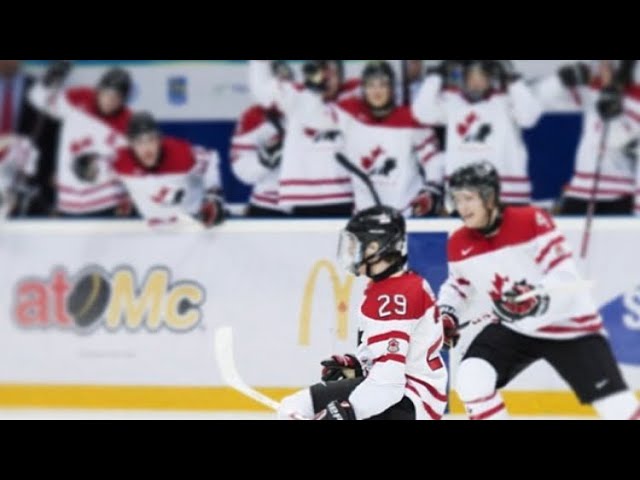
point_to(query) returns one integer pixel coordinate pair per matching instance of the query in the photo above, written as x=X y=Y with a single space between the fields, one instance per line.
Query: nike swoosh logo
x=466 y=251
x=602 y=384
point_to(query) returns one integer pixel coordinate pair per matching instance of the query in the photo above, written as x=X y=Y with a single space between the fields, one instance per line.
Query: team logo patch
x=393 y=346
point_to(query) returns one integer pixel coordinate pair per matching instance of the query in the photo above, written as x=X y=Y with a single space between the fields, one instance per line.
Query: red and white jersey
x=618 y=170
x=400 y=349
x=84 y=133
x=486 y=130
x=528 y=247
x=254 y=130
x=400 y=156
x=174 y=190
x=18 y=157
x=309 y=173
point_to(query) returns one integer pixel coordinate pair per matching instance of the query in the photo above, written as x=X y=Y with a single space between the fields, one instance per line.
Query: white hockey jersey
x=310 y=175
x=618 y=169
x=400 y=349
x=486 y=130
x=528 y=247
x=172 y=192
x=253 y=132
x=400 y=156
x=83 y=136
x=18 y=158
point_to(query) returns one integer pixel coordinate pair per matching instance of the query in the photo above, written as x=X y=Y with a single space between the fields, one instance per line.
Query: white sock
x=619 y=406
x=476 y=386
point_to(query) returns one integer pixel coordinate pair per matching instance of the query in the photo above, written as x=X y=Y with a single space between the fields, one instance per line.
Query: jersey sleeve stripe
x=424 y=160
x=437 y=344
x=430 y=411
x=545 y=251
x=633 y=115
x=463 y=281
x=391 y=357
x=426 y=142
x=557 y=262
x=388 y=336
x=435 y=393
x=585 y=319
x=237 y=146
x=460 y=292
x=483 y=399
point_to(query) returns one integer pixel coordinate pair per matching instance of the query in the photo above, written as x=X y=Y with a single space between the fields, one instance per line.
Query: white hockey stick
x=230 y=375
x=559 y=288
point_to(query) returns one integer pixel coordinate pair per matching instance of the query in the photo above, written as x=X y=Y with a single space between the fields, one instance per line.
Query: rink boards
x=116 y=315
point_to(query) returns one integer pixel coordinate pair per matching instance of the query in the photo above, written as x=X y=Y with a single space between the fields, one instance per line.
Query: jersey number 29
x=396 y=304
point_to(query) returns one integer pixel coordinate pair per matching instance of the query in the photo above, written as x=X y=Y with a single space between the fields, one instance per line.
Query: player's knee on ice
x=298 y=403
x=476 y=379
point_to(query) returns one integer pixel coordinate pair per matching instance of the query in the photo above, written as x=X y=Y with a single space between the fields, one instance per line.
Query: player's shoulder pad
x=529 y=218
x=460 y=241
x=125 y=163
x=251 y=119
x=353 y=106
x=350 y=85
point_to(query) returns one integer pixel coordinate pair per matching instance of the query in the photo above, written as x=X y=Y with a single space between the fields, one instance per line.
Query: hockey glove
x=507 y=309
x=212 y=210
x=270 y=154
x=575 y=75
x=337 y=410
x=450 y=326
x=506 y=72
x=423 y=204
x=609 y=105
x=57 y=73
x=339 y=367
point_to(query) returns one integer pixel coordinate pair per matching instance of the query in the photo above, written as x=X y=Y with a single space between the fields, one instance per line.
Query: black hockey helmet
x=377 y=69
x=282 y=70
x=479 y=176
x=117 y=79
x=141 y=123
x=380 y=224
x=313 y=70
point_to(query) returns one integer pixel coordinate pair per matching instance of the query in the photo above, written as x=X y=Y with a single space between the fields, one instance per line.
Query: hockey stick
x=592 y=201
x=344 y=161
x=230 y=375
x=559 y=288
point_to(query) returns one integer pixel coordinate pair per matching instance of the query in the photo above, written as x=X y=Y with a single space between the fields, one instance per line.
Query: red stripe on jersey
x=488 y=413
x=430 y=411
x=608 y=178
x=548 y=248
x=557 y=262
x=483 y=399
x=636 y=416
x=425 y=143
x=262 y=198
x=463 y=281
x=330 y=196
x=460 y=292
x=588 y=191
x=93 y=203
x=86 y=191
x=557 y=329
x=632 y=114
x=432 y=390
x=436 y=345
x=515 y=179
x=424 y=160
x=576 y=96
x=388 y=336
x=585 y=319
x=293 y=182
x=391 y=357
x=236 y=146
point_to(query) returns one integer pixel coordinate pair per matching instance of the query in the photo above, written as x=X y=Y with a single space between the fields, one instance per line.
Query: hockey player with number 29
x=498 y=255
x=397 y=373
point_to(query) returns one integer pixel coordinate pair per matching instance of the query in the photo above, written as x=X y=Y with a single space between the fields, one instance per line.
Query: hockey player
x=398 y=373
x=312 y=183
x=401 y=157
x=94 y=126
x=483 y=120
x=256 y=152
x=500 y=254
x=18 y=163
x=604 y=92
x=169 y=181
